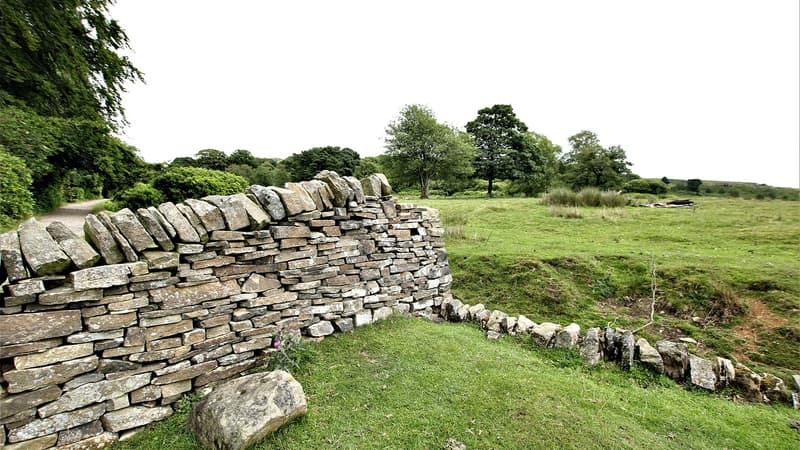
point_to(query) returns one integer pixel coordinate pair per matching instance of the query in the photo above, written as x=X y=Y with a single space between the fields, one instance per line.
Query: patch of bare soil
x=758 y=320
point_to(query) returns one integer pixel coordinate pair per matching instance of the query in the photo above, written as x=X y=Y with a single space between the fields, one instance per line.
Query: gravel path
x=72 y=215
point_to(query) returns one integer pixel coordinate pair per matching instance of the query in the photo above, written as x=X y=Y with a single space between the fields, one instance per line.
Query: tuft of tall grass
x=567 y=212
x=611 y=199
x=590 y=197
x=560 y=197
x=454 y=224
x=587 y=197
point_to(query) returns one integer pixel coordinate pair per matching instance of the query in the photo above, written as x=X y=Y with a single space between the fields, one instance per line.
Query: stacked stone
x=191 y=294
x=672 y=359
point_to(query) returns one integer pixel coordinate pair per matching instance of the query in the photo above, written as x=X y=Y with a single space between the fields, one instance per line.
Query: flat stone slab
x=155 y=229
x=103 y=240
x=649 y=356
x=133 y=230
x=39 y=377
x=172 y=215
x=59 y=422
x=233 y=210
x=293 y=203
x=269 y=200
x=133 y=417
x=41 y=251
x=241 y=412
x=122 y=241
x=32 y=327
x=209 y=215
x=341 y=191
x=100 y=277
x=79 y=251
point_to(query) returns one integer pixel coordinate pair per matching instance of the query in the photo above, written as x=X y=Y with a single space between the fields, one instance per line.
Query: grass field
x=731 y=264
x=727 y=271
x=413 y=384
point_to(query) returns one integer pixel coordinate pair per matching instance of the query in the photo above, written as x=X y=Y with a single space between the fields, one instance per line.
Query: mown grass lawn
x=413 y=384
x=728 y=270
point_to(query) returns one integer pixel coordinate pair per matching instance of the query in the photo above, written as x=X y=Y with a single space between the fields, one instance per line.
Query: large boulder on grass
x=241 y=412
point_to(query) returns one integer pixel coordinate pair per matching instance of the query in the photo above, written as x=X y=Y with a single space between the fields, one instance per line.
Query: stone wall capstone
x=102 y=338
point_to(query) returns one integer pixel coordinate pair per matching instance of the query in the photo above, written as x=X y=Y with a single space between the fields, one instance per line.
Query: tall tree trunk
x=424 y=182
x=491 y=183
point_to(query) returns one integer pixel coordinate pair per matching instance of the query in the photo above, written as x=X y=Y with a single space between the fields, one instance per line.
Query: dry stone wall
x=101 y=337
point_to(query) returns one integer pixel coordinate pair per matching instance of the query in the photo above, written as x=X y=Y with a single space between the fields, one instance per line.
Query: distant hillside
x=742 y=189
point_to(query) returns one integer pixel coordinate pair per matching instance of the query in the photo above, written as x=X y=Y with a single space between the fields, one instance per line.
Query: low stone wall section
x=99 y=337
x=672 y=359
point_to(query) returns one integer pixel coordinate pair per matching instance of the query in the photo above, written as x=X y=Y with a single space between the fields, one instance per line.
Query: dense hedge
x=141 y=195
x=16 y=201
x=180 y=183
x=645 y=186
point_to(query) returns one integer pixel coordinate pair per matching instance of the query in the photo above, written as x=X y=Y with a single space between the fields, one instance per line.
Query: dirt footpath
x=72 y=215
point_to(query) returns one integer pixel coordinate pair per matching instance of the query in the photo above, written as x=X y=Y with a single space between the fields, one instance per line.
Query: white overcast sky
x=690 y=89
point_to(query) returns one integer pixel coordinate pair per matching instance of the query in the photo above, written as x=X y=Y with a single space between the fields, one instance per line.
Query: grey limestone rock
x=168 y=228
x=122 y=242
x=155 y=229
x=495 y=321
x=269 y=200
x=627 y=349
x=323 y=328
x=649 y=356
x=524 y=325
x=133 y=230
x=209 y=215
x=544 y=334
x=701 y=373
x=676 y=358
x=749 y=382
x=386 y=188
x=183 y=229
x=302 y=196
x=371 y=186
x=79 y=251
x=103 y=240
x=342 y=193
x=610 y=345
x=94 y=393
x=568 y=337
x=33 y=327
x=100 y=277
x=13 y=404
x=134 y=416
x=233 y=211
x=194 y=221
x=53 y=424
x=241 y=412
x=11 y=256
x=355 y=186
x=319 y=193
x=591 y=348
x=257 y=216
x=40 y=250
x=725 y=372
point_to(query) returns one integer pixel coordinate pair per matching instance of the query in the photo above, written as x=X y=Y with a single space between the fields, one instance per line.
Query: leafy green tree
x=141 y=195
x=420 y=148
x=645 y=186
x=588 y=164
x=211 y=159
x=498 y=134
x=243 y=170
x=180 y=183
x=16 y=202
x=183 y=161
x=60 y=58
x=367 y=166
x=306 y=164
x=665 y=180
x=243 y=157
x=693 y=185
x=535 y=164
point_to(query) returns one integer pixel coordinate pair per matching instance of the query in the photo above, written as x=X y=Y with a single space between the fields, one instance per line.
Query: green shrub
x=561 y=196
x=16 y=201
x=645 y=186
x=141 y=195
x=589 y=197
x=180 y=183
